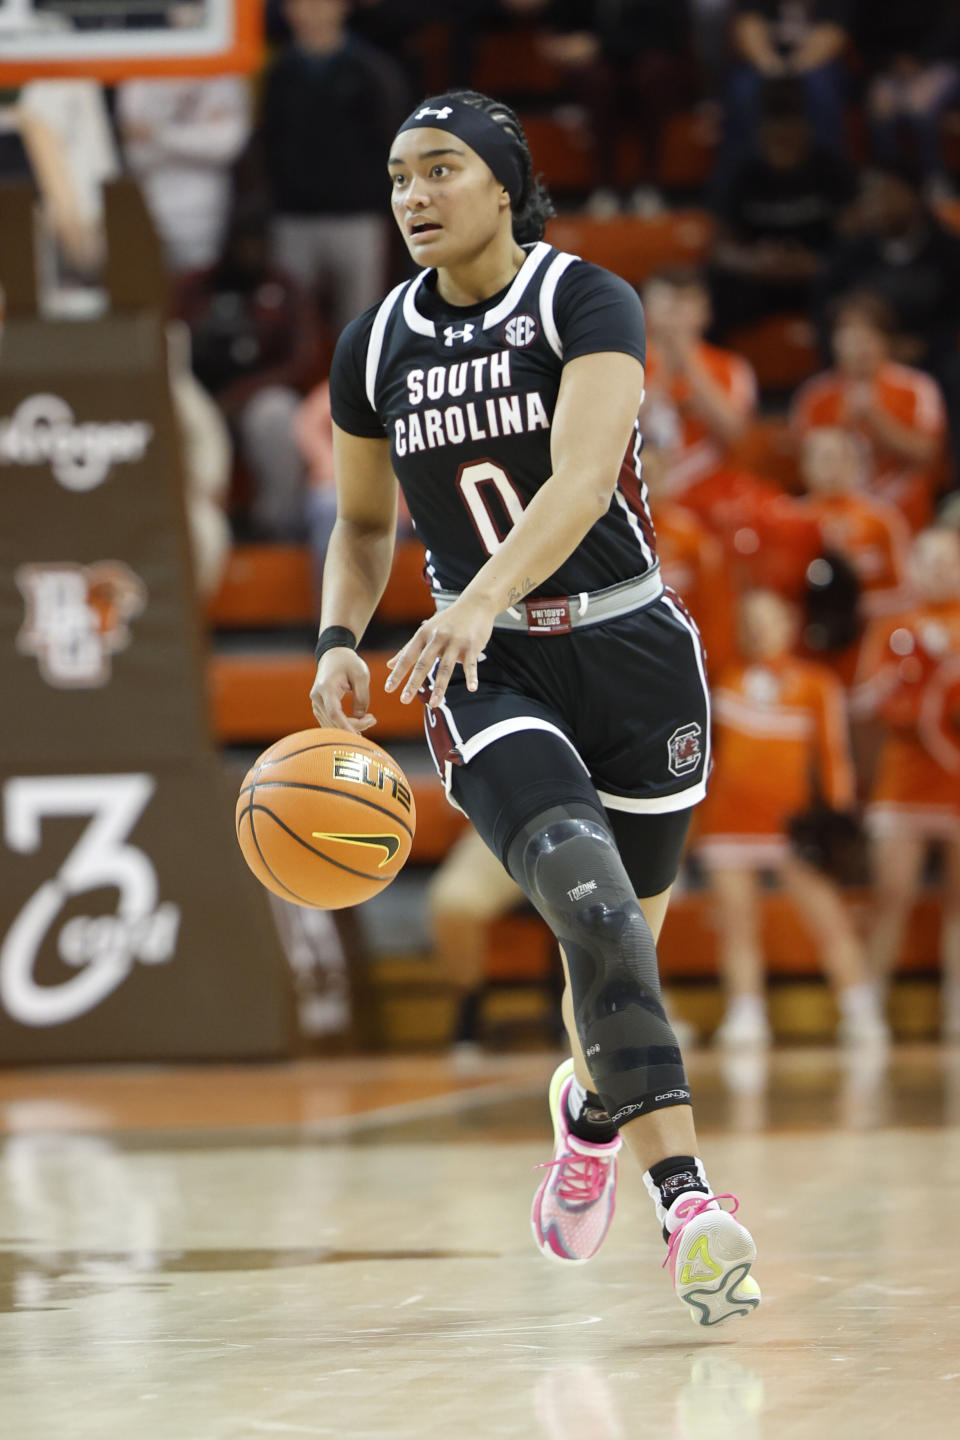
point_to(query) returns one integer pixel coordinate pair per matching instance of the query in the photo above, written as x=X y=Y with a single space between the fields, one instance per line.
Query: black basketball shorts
x=621 y=708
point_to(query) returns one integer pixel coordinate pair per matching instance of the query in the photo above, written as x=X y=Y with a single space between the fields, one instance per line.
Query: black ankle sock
x=592 y=1123
x=678 y=1175
x=467 y=1029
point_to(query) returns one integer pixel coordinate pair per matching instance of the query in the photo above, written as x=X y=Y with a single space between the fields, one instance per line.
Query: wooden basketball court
x=342 y=1248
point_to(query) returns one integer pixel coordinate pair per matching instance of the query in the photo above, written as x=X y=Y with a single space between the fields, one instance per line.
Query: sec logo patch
x=520 y=331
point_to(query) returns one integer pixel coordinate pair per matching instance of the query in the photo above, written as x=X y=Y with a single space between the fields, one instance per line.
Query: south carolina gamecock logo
x=77 y=618
x=684 y=750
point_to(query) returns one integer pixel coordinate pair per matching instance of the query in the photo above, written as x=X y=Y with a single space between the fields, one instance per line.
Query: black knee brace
x=568 y=864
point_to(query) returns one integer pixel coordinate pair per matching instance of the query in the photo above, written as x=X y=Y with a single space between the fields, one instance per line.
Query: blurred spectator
x=778 y=721
x=911 y=51
x=58 y=134
x=699 y=398
x=871 y=533
x=394 y=26
x=331 y=106
x=915 y=799
x=778 y=211
x=253 y=340
x=710 y=34
x=207 y=457
x=899 y=249
x=691 y=560
x=769 y=538
x=467 y=893
x=630 y=64
x=897 y=411
x=939 y=724
x=773 y=39
x=180 y=138
x=313 y=431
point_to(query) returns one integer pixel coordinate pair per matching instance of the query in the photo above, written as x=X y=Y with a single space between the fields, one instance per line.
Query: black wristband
x=333 y=637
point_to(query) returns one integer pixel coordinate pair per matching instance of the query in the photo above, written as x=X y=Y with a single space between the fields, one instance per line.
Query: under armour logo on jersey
x=440 y=114
x=466 y=334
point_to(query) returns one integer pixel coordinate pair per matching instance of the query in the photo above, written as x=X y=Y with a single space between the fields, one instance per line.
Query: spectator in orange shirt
x=699 y=399
x=939 y=723
x=692 y=562
x=778 y=721
x=898 y=410
x=768 y=537
x=916 y=797
x=871 y=534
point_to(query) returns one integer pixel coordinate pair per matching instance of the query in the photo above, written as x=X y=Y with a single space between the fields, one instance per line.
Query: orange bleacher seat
x=406 y=600
x=782 y=350
x=561 y=150
x=254 y=698
x=509 y=62
x=687 y=948
x=438 y=824
x=633 y=247
x=266 y=585
x=687 y=153
x=520 y=947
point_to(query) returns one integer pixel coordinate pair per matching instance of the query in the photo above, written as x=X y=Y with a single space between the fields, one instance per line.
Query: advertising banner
x=129 y=925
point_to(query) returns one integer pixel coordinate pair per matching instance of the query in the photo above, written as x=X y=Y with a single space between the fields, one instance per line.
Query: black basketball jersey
x=466 y=396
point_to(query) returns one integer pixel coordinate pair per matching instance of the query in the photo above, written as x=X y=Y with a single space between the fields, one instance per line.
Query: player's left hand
x=451 y=637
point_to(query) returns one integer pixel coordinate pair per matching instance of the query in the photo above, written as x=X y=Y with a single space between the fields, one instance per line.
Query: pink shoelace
x=582 y=1177
x=689 y=1209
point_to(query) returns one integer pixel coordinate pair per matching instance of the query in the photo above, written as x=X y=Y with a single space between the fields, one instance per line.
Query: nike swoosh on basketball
x=389 y=843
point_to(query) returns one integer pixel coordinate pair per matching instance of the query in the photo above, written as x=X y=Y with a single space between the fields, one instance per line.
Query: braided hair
x=534 y=208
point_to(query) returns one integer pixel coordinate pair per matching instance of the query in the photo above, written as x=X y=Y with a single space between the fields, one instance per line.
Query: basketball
x=325 y=818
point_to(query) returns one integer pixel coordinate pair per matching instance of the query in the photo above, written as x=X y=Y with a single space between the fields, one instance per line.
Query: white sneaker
x=688 y=1036
x=603 y=204
x=710 y=1255
x=868 y=1028
x=646 y=202
x=746 y=1027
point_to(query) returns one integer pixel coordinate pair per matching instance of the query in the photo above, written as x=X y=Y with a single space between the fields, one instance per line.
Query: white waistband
x=558 y=614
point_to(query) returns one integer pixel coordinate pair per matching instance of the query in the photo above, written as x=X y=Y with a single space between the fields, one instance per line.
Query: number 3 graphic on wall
x=103 y=949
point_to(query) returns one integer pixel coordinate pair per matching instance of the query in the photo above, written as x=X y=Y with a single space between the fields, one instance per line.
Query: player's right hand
x=340 y=673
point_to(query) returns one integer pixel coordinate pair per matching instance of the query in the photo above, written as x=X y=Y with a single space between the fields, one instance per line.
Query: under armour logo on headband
x=440 y=114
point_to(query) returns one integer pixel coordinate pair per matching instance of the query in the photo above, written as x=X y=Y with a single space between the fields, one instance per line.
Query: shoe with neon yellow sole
x=573 y=1207
x=710 y=1255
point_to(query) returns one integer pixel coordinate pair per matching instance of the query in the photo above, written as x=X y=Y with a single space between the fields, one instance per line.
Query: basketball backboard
x=117 y=39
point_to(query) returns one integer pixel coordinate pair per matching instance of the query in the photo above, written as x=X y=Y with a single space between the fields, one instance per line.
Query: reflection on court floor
x=362 y=1266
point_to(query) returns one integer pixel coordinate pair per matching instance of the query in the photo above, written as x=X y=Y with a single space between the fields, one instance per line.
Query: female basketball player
x=565 y=702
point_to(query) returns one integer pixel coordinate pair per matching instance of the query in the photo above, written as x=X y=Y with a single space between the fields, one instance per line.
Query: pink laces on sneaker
x=582 y=1177
x=689 y=1209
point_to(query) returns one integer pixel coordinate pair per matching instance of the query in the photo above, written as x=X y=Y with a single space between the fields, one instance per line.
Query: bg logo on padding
x=684 y=751
x=77 y=618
